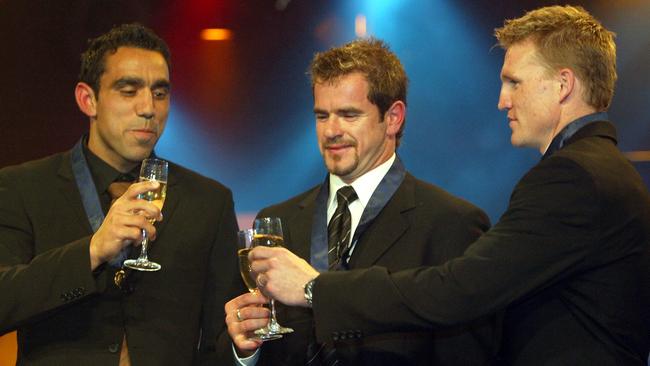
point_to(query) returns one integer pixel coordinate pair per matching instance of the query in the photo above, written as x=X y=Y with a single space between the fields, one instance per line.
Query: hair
x=93 y=60
x=568 y=36
x=371 y=57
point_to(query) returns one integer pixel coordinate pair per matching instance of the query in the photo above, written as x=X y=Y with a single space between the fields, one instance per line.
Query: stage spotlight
x=360 y=28
x=216 y=34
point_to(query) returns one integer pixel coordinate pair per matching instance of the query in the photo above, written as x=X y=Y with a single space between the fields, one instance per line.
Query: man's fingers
x=136 y=189
x=246 y=346
x=140 y=207
x=129 y=227
x=251 y=313
x=261 y=252
x=244 y=300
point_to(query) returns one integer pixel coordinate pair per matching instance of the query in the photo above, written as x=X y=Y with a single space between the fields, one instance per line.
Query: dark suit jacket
x=66 y=315
x=420 y=225
x=567 y=257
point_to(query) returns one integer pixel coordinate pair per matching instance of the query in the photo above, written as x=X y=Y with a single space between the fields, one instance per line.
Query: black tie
x=340 y=226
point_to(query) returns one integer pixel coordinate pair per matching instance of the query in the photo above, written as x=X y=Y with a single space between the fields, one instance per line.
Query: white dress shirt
x=365 y=186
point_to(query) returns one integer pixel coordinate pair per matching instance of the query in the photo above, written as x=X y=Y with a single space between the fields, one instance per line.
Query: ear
x=394 y=117
x=86 y=100
x=567 y=83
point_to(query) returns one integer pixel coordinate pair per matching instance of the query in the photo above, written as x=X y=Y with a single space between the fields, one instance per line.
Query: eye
x=350 y=116
x=513 y=83
x=321 y=116
x=128 y=92
x=160 y=94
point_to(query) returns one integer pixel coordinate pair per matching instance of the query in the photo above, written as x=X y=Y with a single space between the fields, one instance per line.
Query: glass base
x=140 y=265
x=273 y=330
x=265 y=337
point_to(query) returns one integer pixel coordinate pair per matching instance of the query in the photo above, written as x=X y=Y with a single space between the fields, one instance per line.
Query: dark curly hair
x=93 y=60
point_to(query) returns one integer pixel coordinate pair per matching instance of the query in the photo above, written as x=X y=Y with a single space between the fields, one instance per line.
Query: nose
x=332 y=127
x=145 y=105
x=504 y=100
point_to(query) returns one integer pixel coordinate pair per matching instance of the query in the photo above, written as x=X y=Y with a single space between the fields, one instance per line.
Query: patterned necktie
x=340 y=227
x=338 y=237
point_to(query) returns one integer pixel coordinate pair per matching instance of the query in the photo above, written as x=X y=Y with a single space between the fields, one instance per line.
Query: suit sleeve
x=543 y=237
x=31 y=285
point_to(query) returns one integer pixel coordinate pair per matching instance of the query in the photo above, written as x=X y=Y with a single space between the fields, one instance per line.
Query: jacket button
x=335 y=336
x=113 y=348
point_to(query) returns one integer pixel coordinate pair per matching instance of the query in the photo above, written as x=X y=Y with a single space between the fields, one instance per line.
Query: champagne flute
x=245 y=239
x=268 y=233
x=151 y=170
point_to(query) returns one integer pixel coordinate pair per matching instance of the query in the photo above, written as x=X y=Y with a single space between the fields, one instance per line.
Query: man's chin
x=339 y=170
x=139 y=155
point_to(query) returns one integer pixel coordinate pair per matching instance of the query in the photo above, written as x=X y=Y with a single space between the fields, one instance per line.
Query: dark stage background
x=241 y=109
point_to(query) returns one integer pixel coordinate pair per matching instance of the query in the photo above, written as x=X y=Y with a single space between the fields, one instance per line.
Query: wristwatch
x=309 y=288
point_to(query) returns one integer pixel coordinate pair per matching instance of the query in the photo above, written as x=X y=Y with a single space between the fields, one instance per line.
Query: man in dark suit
x=568 y=257
x=58 y=279
x=396 y=220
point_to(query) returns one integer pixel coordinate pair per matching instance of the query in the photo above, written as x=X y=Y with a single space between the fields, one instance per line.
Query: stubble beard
x=335 y=166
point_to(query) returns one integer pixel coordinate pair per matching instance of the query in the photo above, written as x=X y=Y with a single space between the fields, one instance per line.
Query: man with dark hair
x=568 y=259
x=62 y=240
x=368 y=211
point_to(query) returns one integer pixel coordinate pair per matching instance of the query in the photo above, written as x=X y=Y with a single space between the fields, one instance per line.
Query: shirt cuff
x=246 y=361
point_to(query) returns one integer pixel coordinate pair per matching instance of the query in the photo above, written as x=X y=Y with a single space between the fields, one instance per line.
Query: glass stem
x=143 y=247
x=274 y=323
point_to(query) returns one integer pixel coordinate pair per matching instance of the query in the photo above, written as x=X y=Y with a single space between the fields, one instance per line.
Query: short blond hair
x=568 y=36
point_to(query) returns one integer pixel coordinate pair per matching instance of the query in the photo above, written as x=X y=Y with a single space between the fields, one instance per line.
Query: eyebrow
x=508 y=77
x=161 y=83
x=347 y=110
x=139 y=83
x=127 y=81
x=340 y=110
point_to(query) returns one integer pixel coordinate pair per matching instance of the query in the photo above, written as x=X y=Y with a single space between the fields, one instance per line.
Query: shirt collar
x=569 y=130
x=365 y=185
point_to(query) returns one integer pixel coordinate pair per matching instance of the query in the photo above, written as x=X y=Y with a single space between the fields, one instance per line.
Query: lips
x=338 y=148
x=144 y=133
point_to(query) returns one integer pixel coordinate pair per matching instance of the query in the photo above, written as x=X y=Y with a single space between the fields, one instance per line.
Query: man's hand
x=281 y=274
x=124 y=223
x=245 y=314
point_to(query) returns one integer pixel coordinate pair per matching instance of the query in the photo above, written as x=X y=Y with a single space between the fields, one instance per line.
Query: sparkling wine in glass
x=151 y=170
x=268 y=233
x=245 y=239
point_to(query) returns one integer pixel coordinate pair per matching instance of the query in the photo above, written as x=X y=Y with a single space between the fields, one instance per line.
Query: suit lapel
x=69 y=190
x=300 y=225
x=173 y=196
x=387 y=227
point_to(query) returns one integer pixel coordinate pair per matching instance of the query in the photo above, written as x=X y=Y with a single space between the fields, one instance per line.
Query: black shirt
x=104 y=174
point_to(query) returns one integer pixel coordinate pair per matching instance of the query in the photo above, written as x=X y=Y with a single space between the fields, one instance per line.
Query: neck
x=568 y=115
x=111 y=157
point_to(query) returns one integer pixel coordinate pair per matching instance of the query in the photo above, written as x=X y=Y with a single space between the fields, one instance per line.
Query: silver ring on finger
x=239 y=317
